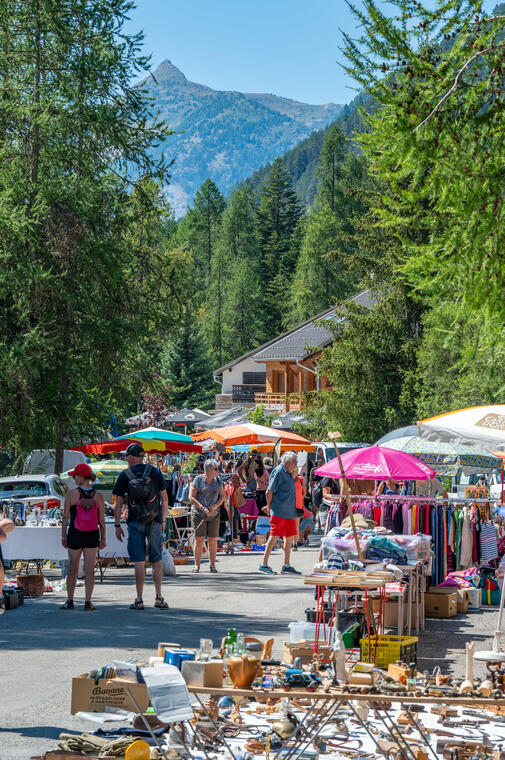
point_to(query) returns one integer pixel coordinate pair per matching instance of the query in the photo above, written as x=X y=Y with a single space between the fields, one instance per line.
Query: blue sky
x=285 y=47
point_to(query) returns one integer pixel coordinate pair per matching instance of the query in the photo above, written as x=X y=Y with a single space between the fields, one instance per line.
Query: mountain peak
x=166 y=71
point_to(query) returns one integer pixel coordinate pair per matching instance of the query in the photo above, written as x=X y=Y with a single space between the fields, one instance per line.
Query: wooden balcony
x=279 y=402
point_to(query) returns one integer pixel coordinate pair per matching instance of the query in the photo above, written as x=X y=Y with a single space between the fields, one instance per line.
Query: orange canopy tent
x=249 y=433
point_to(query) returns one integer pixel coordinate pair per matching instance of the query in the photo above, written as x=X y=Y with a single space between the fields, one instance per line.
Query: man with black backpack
x=144 y=488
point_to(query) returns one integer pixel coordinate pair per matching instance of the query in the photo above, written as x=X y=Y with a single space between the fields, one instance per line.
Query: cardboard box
x=391 y=614
x=88 y=696
x=261 y=539
x=462 y=598
x=440 y=605
x=305 y=650
x=197 y=673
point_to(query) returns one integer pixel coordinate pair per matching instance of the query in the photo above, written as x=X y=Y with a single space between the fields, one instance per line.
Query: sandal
x=138 y=604
x=69 y=605
x=160 y=603
x=196 y=570
x=213 y=569
x=89 y=606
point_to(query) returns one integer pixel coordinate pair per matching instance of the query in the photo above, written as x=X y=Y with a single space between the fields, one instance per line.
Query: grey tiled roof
x=301 y=342
x=267 y=350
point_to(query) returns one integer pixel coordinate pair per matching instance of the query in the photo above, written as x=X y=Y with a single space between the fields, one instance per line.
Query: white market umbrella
x=482 y=426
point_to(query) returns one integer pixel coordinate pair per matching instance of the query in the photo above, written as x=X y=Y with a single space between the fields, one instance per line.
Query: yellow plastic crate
x=387 y=649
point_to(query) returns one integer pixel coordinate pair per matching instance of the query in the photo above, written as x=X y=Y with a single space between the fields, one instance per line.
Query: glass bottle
x=240 y=644
x=231 y=638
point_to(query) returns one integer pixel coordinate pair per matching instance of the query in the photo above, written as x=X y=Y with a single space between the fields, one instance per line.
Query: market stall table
x=324 y=706
x=43 y=543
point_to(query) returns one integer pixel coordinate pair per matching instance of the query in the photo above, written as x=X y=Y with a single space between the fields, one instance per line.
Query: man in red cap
x=146 y=496
x=85 y=508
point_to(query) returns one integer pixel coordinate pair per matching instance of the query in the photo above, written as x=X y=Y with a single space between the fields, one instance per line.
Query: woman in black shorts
x=86 y=532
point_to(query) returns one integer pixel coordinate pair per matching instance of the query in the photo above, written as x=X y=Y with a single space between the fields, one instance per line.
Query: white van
x=324 y=450
x=41 y=461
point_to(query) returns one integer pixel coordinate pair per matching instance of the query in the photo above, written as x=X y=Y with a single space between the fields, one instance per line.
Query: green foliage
x=301 y=161
x=324 y=270
x=437 y=142
x=239 y=241
x=278 y=215
x=260 y=416
x=77 y=303
x=366 y=367
x=203 y=222
x=185 y=366
x=460 y=362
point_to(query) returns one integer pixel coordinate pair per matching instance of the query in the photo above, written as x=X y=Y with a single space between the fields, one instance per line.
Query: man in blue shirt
x=281 y=506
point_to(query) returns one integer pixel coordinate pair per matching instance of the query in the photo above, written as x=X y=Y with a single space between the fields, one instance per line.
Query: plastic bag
x=416 y=547
x=344 y=545
x=167 y=562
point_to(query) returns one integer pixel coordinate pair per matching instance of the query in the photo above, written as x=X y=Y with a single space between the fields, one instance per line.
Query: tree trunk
x=60 y=448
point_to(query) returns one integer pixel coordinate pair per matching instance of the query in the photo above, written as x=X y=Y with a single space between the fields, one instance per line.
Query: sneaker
x=267 y=570
x=295 y=547
x=290 y=570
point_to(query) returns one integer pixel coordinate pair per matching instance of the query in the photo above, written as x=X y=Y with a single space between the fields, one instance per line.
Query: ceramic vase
x=243 y=670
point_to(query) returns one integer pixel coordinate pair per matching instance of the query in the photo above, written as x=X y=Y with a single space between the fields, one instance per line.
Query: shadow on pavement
x=117 y=626
x=41 y=732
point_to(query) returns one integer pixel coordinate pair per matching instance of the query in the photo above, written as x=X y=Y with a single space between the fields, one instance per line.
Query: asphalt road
x=42 y=647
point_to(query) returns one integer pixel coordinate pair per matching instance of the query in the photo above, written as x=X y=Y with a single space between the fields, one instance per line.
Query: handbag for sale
x=490 y=590
x=238 y=497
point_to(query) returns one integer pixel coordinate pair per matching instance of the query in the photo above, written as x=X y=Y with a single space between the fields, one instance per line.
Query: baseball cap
x=82 y=469
x=135 y=450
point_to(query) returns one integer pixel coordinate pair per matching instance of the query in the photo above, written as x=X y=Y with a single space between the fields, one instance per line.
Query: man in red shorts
x=281 y=506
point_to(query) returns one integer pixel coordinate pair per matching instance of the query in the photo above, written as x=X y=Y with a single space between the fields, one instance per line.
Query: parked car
x=42 y=460
x=27 y=486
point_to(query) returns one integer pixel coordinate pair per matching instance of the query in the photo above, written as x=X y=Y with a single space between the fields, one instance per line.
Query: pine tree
x=329 y=169
x=185 y=365
x=244 y=327
x=436 y=142
x=325 y=271
x=75 y=136
x=201 y=228
x=278 y=215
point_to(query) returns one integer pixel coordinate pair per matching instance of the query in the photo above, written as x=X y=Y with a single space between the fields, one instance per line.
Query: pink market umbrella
x=377 y=463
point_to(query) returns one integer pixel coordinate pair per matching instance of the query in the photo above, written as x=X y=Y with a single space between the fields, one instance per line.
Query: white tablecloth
x=45 y=543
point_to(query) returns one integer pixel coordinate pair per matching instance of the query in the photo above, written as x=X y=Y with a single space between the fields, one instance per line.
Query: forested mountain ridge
x=224 y=134
x=301 y=161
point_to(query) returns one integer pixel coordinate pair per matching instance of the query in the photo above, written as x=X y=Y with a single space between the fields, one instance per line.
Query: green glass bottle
x=231 y=638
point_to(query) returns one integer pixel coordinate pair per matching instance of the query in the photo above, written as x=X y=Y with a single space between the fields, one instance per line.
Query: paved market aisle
x=42 y=647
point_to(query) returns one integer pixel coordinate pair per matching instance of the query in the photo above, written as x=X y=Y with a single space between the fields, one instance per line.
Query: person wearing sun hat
x=84 y=512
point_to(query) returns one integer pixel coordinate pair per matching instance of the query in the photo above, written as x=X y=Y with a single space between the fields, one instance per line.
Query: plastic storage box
x=303 y=631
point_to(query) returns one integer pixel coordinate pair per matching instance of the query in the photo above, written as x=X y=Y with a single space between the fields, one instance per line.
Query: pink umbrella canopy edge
x=377 y=463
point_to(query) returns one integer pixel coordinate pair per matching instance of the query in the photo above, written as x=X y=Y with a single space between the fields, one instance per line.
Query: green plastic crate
x=350 y=635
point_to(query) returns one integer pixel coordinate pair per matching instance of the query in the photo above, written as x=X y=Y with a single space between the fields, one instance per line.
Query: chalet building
x=277 y=373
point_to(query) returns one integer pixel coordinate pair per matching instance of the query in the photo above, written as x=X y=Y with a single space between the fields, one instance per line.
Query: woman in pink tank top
x=84 y=512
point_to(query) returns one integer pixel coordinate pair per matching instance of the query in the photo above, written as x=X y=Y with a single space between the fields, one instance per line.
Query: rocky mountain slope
x=225 y=135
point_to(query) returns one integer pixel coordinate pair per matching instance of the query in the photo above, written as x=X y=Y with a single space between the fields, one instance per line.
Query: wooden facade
x=287 y=381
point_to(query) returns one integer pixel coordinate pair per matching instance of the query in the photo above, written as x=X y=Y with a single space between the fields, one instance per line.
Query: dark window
x=254 y=378
x=28 y=487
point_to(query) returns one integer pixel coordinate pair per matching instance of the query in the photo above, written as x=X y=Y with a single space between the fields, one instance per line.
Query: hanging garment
x=458 y=523
x=466 y=555
x=488 y=542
